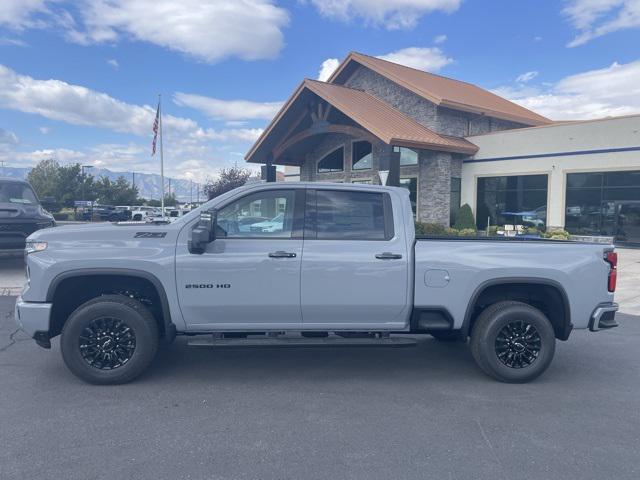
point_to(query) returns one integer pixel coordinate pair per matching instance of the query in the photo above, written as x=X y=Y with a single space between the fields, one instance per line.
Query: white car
x=269 y=226
x=143 y=213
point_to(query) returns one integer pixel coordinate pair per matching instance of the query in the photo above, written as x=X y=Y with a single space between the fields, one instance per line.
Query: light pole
x=83 y=180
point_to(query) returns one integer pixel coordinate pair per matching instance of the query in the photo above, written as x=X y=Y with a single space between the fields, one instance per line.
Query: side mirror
x=203 y=233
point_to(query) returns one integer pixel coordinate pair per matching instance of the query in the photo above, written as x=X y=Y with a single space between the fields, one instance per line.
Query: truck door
x=249 y=275
x=355 y=265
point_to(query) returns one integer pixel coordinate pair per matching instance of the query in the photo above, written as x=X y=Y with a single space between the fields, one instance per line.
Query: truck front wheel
x=109 y=340
x=513 y=342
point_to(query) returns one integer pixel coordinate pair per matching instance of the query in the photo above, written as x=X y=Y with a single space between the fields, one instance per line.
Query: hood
x=97 y=231
x=19 y=211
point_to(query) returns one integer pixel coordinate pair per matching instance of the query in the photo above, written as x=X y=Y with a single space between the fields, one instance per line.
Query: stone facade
x=434 y=170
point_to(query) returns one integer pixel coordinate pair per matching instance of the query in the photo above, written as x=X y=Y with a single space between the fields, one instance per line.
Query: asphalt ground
x=366 y=413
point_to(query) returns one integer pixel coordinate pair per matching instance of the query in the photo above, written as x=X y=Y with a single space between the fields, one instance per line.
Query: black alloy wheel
x=518 y=344
x=107 y=343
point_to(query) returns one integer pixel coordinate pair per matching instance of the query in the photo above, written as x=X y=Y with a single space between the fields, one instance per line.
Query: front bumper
x=603 y=317
x=33 y=319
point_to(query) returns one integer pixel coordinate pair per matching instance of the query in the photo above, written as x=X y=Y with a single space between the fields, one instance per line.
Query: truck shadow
x=312 y=364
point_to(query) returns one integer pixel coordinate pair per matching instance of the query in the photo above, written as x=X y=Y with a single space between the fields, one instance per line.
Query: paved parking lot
x=423 y=412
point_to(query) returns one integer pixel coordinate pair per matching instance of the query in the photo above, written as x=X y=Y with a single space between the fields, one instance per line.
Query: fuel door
x=436 y=278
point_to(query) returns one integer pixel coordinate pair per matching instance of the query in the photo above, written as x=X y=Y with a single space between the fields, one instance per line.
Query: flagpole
x=161 y=154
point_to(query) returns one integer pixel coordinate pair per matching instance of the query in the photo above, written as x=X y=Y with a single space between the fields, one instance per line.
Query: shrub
x=430 y=229
x=465 y=219
x=492 y=230
x=557 y=235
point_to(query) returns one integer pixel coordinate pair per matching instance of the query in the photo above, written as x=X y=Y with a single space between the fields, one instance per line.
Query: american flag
x=155 y=131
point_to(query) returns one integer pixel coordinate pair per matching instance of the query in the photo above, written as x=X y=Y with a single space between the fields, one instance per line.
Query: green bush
x=466 y=232
x=557 y=235
x=492 y=230
x=465 y=219
x=61 y=216
x=430 y=229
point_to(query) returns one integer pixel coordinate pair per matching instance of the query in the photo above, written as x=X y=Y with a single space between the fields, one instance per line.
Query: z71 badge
x=150 y=235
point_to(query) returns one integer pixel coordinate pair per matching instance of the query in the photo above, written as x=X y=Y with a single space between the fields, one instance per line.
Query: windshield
x=16 y=192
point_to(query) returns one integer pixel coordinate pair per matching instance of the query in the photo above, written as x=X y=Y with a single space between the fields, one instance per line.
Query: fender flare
x=168 y=325
x=566 y=327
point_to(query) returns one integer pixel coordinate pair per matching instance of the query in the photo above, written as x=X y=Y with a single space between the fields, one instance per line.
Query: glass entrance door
x=628 y=223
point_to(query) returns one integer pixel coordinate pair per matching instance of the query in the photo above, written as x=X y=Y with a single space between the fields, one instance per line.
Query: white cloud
x=392 y=15
x=527 y=76
x=22 y=14
x=228 y=109
x=113 y=63
x=440 y=39
x=423 y=58
x=12 y=42
x=595 y=18
x=610 y=91
x=78 y=105
x=327 y=68
x=7 y=137
x=208 y=31
x=44 y=130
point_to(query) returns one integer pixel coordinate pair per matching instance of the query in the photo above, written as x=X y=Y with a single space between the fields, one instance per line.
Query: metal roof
x=442 y=91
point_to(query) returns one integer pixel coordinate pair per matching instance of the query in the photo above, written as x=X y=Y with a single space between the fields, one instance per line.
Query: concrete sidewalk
x=628 y=291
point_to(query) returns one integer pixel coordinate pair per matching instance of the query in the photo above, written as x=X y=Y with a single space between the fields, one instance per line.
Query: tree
x=465 y=218
x=230 y=178
x=169 y=201
x=119 y=192
x=63 y=183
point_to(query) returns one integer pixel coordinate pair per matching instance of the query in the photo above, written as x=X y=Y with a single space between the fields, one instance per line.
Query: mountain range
x=148 y=183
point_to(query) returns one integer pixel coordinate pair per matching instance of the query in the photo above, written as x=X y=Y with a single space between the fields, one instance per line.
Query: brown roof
x=443 y=91
x=385 y=122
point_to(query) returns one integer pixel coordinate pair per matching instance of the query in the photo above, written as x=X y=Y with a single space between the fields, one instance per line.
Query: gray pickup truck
x=306 y=263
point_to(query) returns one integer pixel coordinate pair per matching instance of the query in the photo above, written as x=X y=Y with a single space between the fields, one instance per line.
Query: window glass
x=364 y=180
x=407 y=156
x=361 y=156
x=350 y=215
x=263 y=214
x=454 y=202
x=604 y=203
x=516 y=200
x=16 y=192
x=411 y=184
x=333 y=162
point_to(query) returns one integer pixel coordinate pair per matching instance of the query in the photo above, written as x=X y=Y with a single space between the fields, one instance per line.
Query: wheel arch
x=561 y=320
x=165 y=324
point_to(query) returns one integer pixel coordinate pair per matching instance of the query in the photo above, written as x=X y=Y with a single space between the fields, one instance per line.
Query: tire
x=107 y=325
x=513 y=342
x=447 y=335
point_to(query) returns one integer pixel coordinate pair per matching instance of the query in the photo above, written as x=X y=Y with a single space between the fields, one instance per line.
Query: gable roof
x=442 y=91
x=380 y=119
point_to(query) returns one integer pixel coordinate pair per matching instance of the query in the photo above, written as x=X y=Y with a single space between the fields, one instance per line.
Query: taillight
x=612 y=259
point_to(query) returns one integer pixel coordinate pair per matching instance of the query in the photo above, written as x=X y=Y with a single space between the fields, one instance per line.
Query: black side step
x=300 y=342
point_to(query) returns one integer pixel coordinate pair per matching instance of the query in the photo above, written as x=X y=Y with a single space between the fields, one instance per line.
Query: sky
x=80 y=80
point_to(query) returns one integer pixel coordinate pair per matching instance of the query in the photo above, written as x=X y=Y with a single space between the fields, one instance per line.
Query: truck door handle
x=281 y=254
x=388 y=256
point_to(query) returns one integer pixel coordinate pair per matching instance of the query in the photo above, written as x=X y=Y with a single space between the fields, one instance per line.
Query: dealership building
x=450 y=142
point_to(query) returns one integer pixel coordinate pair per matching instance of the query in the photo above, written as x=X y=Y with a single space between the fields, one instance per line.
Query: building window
x=411 y=184
x=344 y=215
x=515 y=200
x=407 y=156
x=604 y=203
x=361 y=156
x=455 y=198
x=362 y=180
x=333 y=162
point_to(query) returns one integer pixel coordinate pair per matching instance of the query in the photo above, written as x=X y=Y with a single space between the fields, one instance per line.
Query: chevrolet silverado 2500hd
x=306 y=262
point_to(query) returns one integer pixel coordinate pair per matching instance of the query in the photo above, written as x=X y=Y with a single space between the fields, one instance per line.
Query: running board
x=301 y=342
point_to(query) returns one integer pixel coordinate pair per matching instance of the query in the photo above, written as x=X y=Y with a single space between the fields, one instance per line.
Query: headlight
x=33 y=247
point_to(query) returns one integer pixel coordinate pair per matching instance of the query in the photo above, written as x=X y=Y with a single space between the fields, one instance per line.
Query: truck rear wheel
x=109 y=340
x=513 y=342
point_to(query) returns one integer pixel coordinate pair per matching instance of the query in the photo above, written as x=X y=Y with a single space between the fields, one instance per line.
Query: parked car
x=343 y=266
x=106 y=213
x=20 y=215
x=143 y=213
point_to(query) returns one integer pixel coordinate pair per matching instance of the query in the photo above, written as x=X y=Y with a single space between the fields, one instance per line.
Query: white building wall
x=590 y=146
x=291 y=174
